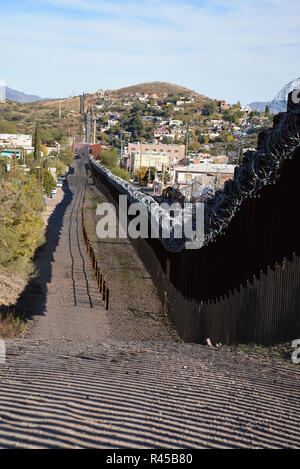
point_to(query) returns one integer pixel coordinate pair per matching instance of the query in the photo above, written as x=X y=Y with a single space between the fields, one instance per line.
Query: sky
x=244 y=50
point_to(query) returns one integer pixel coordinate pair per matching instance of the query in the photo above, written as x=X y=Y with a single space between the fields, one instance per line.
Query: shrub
x=109 y=158
x=121 y=173
x=20 y=224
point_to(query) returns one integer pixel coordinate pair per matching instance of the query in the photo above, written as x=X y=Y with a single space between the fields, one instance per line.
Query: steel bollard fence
x=103 y=289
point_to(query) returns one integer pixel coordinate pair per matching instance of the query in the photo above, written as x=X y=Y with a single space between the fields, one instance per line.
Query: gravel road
x=70 y=384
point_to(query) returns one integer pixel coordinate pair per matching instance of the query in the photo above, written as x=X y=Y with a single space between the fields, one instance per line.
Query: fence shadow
x=32 y=300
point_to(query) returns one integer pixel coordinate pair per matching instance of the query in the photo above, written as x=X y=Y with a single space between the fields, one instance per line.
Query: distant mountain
x=20 y=97
x=275 y=108
x=259 y=106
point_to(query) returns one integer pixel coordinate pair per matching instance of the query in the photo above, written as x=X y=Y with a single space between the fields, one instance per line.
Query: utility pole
x=15 y=167
x=88 y=127
x=149 y=174
x=82 y=104
x=59 y=112
x=186 y=141
x=95 y=130
x=6 y=168
x=186 y=152
x=122 y=143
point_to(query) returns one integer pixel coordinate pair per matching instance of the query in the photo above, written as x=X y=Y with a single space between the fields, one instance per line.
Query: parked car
x=59 y=184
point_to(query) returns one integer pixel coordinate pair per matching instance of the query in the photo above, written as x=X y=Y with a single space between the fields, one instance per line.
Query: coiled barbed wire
x=260 y=167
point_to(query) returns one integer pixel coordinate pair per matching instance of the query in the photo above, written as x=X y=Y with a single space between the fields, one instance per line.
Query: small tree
x=146 y=176
x=209 y=109
x=164 y=177
x=136 y=127
x=49 y=182
x=37 y=142
x=109 y=158
x=66 y=155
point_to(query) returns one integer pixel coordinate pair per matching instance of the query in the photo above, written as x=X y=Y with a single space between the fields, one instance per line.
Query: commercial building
x=11 y=153
x=95 y=150
x=157 y=155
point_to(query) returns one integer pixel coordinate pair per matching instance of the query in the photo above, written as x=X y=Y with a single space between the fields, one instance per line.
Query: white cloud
x=244 y=51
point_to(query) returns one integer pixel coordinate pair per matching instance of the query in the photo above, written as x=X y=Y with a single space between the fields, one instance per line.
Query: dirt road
x=70 y=383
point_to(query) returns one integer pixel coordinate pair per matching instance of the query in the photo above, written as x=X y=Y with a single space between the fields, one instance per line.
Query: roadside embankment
x=14 y=279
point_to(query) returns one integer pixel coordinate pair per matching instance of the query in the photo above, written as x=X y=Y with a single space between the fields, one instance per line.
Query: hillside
x=22 y=117
x=157 y=88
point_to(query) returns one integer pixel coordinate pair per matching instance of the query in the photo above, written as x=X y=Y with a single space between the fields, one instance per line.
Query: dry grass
x=11 y=285
x=46 y=112
x=280 y=352
x=11 y=325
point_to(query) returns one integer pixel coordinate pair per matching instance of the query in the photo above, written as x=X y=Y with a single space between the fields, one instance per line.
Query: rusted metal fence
x=100 y=278
x=245 y=287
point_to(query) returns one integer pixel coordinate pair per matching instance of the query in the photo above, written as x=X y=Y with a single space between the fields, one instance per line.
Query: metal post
x=104 y=291
x=122 y=142
x=186 y=141
x=15 y=167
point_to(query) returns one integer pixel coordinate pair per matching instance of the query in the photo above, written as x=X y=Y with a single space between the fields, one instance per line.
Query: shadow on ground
x=32 y=300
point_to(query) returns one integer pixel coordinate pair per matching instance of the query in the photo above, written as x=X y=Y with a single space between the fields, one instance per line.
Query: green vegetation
x=37 y=143
x=146 y=175
x=109 y=159
x=121 y=173
x=22 y=194
x=48 y=180
x=7 y=127
x=11 y=324
x=56 y=163
x=209 y=108
x=21 y=118
x=20 y=224
x=136 y=127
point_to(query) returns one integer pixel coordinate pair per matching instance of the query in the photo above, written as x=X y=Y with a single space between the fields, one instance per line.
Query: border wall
x=243 y=288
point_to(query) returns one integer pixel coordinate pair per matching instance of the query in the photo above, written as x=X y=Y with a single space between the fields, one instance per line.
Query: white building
x=16 y=140
x=246 y=109
x=112 y=122
x=175 y=122
x=205 y=173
